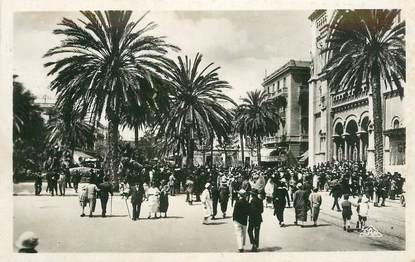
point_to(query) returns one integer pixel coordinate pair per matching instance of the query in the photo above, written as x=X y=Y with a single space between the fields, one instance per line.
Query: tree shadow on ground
x=318 y=225
x=173 y=217
x=290 y=225
x=269 y=249
x=215 y=223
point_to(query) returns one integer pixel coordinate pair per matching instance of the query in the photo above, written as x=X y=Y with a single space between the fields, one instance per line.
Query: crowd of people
x=248 y=189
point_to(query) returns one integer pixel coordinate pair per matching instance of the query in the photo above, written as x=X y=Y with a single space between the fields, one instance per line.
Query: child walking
x=346 y=212
x=362 y=210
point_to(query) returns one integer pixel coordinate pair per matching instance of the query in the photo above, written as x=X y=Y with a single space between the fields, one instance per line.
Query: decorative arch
x=351 y=126
x=362 y=117
x=338 y=129
x=395 y=119
x=350 y=118
x=338 y=119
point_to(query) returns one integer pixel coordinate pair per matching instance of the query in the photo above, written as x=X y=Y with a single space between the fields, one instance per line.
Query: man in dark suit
x=137 y=195
x=214 y=191
x=105 y=189
x=255 y=219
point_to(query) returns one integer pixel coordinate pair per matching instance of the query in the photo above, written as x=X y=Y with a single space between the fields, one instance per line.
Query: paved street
x=60 y=229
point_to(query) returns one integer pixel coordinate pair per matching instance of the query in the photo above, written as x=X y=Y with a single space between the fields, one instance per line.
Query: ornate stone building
x=340 y=123
x=289 y=85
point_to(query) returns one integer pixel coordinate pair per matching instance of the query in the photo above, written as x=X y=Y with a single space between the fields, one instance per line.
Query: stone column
x=386 y=153
x=334 y=149
x=311 y=128
x=360 y=138
x=346 y=149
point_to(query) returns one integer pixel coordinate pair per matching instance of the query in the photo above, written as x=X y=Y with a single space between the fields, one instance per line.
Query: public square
x=238 y=108
x=59 y=227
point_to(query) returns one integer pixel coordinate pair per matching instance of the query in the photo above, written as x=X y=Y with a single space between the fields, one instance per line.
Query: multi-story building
x=47 y=105
x=340 y=123
x=289 y=86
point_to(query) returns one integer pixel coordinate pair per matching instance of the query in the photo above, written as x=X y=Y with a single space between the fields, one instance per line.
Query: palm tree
x=102 y=63
x=68 y=128
x=195 y=110
x=144 y=116
x=26 y=113
x=258 y=117
x=367 y=47
x=28 y=129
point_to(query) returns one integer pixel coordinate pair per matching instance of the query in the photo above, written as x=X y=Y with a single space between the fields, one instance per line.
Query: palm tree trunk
x=113 y=156
x=211 y=155
x=258 y=148
x=72 y=154
x=241 y=138
x=136 y=136
x=377 y=124
x=191 y=147
x=226 y=156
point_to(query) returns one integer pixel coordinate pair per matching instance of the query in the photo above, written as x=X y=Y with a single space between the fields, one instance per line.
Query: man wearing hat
x=91 y=192
x=300 y=203
x=172 y=183
x=214 y=190
x=255 y=219
x=206 y=200
x=137 y=195
x=224 y=193
x=106 y=189
x=280 y=199
x=27 y=242
x=240 y=218
x=315 y=203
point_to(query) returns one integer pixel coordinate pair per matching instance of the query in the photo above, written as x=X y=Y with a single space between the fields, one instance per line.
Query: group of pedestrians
x=89 y=194
x=157 y=197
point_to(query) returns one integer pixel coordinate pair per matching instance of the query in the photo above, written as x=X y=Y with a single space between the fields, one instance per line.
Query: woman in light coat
x=153 y=194
x=206 y=200
x=269 y=190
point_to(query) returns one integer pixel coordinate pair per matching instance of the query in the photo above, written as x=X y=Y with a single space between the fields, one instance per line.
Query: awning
x=78 y=154
x=267 y=151
x=303 y=157
x=82 y=169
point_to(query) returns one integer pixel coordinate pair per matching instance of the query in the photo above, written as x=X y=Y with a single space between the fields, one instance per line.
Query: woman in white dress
x=153 y=194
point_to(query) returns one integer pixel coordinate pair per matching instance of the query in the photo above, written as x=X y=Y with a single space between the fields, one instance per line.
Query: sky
x=245 y=44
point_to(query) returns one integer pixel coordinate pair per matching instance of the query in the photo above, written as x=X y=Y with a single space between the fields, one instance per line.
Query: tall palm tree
x=195 y=104
x=367 y=47
x=102 y=63
x=258 y=116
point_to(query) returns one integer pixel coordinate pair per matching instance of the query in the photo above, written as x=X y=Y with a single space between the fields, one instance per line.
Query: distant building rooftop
x=292 y=64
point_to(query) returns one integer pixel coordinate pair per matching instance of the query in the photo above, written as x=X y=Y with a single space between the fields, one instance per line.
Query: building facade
x=225 y=154
x=289 y=86
x=340 y=123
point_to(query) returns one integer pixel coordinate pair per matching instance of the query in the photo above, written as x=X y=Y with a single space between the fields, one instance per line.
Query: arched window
x=395 y=124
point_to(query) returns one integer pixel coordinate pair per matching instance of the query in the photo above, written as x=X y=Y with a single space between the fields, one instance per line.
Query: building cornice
x=316 y=13
x=291 y=65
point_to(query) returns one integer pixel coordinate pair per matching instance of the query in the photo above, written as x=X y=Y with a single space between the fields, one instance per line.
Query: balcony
x=269 y=140
x=283 y=91
x=348 y=96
